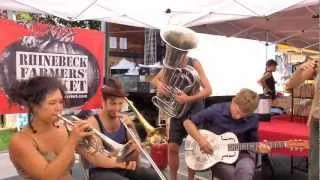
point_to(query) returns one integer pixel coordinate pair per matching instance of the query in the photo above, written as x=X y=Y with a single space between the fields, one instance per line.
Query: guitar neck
x=253 y=146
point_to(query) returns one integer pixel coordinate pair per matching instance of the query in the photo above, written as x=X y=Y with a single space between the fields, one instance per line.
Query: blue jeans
x=242 y=169
x=121 y=174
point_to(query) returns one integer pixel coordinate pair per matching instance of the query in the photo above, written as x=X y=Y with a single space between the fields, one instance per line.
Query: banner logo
x=53 y=52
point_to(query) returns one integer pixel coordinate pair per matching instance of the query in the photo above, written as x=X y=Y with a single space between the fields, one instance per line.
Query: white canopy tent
x=152 y=14
x=296 y=26
x=287 y=19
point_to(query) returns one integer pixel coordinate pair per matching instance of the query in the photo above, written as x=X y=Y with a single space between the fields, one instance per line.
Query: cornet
x=120 y=151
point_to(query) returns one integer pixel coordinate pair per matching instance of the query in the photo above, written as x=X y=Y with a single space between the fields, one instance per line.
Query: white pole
x=11 y=15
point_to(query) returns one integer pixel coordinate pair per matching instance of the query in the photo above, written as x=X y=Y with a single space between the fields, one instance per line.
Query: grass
x=5 y=135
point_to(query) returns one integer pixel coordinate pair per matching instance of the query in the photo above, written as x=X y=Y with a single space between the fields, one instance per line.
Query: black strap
x=99 y=123
x=102 y=130
x=190 y=61
x=68 y=132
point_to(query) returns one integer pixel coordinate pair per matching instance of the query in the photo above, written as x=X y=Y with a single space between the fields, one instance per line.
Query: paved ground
x=7 y=169
x=281 y=166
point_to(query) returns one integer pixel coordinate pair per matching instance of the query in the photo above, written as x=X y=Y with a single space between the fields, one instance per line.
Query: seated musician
x=236 y=117
x=44 y=149
x=108 y=122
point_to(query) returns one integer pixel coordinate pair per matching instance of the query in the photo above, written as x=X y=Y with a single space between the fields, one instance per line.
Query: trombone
x=135 y=139
x=154 y=135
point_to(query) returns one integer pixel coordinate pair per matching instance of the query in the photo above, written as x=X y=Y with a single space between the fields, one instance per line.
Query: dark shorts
x=176 y=130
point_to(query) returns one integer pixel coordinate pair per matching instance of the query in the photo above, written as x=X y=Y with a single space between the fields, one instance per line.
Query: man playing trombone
x=108 y=122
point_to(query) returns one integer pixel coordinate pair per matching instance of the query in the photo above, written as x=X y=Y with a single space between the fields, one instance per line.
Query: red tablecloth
x=282 y=128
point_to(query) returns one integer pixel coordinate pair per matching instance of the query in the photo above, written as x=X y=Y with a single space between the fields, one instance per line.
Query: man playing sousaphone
x=177 y=41
x=108 y=122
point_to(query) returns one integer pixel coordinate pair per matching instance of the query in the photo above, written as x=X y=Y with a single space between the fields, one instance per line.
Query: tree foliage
x=53 y=20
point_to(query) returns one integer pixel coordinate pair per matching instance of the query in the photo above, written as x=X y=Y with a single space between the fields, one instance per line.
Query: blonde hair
x=247 y=100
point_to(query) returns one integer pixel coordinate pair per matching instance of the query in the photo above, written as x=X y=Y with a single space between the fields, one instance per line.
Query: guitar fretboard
x=253 y=146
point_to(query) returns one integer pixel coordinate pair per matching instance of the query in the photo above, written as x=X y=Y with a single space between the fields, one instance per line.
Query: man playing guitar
x=236 y=117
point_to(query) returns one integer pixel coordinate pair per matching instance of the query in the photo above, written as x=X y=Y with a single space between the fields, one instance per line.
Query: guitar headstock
x=298 y=144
